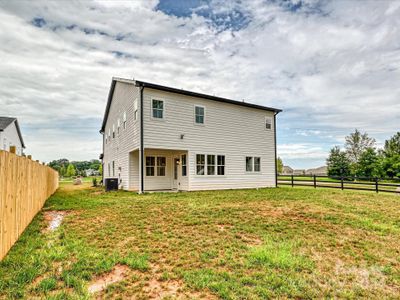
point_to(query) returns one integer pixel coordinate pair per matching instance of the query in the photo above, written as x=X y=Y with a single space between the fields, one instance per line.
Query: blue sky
x=332 y=66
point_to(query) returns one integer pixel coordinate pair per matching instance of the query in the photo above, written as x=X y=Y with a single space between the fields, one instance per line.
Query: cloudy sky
x=331 y=66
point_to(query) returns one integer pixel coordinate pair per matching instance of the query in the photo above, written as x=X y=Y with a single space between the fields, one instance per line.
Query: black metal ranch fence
x=390 y=185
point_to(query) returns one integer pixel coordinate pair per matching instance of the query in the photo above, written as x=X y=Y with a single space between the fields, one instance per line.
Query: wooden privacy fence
x=24 y=187
x=390 y=185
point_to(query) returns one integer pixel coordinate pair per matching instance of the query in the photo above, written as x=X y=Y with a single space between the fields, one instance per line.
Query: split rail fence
x=390 y=185
x=24 y=187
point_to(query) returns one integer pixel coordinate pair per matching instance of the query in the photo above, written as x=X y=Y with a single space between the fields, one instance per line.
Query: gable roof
x=177 y=91
x=7 y=121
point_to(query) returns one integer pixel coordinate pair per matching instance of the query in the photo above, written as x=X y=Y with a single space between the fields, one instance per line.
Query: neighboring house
x=321 y=171
x=162 y=138
x=92 y=172
x=10 y=135
x=287 y=170
x=299 y=172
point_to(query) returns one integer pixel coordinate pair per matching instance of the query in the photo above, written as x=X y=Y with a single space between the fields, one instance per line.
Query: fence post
x=376 y=184
x=315 y=181
x=13 y=149
x=292 y=181
x=341 y=182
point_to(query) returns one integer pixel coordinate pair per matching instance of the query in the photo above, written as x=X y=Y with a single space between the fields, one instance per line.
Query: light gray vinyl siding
x=230 y=130
x=118 y=149
x=9 y=137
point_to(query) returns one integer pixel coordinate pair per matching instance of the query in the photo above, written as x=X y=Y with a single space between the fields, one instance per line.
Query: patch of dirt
x=53 y=219
x=223 y=227
x=250 y=240
x=117 y=274
x=98 y=193
x=365 y=278
x=156 y=288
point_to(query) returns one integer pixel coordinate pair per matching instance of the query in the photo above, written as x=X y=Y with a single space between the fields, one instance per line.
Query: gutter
x=276 y=155
x=141 y=152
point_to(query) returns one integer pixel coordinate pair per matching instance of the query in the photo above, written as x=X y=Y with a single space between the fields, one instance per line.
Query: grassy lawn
x=243 y=244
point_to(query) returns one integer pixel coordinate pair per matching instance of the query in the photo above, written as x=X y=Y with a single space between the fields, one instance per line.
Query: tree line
x=361 y=158
x=68 y=168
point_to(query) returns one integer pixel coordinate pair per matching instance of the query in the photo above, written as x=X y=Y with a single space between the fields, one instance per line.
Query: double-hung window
x=249 y=164
x=253 y=164
x=199 y=114
x=200 y=164
x=221 y=164
x=157 y=109
x=161 y=164
x=150 y=165
x=124 y=120
x=113 y=130
x=155 y=166
x=135 y=114
x=210 y=164
x=118 y=125
x=268 y=123
x=184 y=163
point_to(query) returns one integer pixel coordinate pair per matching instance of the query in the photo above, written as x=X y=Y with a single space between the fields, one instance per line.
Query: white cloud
x=332 y=66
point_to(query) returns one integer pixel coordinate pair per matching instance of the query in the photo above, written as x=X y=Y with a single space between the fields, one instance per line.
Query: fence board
x=24 y=187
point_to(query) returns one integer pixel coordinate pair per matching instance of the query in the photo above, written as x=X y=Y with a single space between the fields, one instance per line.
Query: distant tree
x=70 y=170
x=279 y=165
x=392 y=146
x=62 y=171
x=338 y=163
x=368 y=164
x=356 y=143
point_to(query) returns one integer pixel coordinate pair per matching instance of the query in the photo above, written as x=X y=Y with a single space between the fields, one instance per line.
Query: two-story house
x=161 y=138
x=10 y=135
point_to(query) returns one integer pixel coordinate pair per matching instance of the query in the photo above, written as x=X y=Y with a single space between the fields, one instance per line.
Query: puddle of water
x=54 y=219
x=118 y=273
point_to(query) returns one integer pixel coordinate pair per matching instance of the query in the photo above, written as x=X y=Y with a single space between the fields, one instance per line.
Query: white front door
x=175 y=173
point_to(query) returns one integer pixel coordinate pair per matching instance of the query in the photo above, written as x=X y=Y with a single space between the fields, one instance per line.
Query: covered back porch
x=163 y=170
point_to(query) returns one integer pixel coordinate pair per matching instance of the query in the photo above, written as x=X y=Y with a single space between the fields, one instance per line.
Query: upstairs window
x=109 y=133
x=113 y=130
x=268 y=123
x=124 y=120
x=184 y=168
x=199 y=113
x=118 y=125
x=157 y=109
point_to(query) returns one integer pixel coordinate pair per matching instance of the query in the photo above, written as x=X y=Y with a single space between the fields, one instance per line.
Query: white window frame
x=113 y=131
x=184 y=165
x=204 y=114
x=135 y=110
x=268 y=120
x=253 y=164
x=163 y=109
x=156 y=166
x=118 y=125
x=124 y=120
x=206 y=165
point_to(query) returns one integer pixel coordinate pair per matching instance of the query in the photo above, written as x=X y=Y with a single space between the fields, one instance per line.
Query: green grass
x=243 y=244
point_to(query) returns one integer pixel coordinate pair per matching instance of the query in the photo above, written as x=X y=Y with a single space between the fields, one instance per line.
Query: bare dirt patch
x=53 y=219
x=223 y=227
x=117 y=274
x=250 y=240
